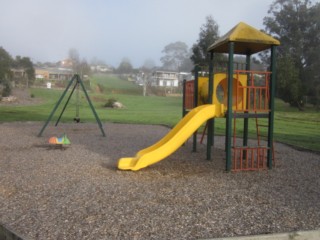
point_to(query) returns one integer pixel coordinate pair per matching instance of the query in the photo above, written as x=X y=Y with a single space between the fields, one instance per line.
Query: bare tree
x=175 y=55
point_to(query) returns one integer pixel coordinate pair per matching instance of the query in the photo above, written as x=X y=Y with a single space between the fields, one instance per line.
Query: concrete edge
x=298 y=235
x=8 y=234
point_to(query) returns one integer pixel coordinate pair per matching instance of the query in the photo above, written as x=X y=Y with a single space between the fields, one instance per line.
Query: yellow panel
x=247 y=39
x=220 y=90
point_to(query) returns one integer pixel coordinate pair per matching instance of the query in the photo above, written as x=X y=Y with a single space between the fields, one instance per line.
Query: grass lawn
x=301 y=129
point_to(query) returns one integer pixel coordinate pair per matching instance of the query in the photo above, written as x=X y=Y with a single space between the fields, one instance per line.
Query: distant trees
x=96 y=61
x=209 y=33
x=125 y=66
x=145 y=71
x=81 y=67
x=296 y=23
x=148 y=64
x=5 y=73
x=175 y=54
x=84 y=68
x=288 y=82
x=27 y=66
x=8 y=65
x=74 y=56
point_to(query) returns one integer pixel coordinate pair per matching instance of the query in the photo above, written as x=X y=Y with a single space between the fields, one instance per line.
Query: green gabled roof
x=247 y=39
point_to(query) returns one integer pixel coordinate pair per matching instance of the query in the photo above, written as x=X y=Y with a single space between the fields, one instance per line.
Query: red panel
x=189 y=95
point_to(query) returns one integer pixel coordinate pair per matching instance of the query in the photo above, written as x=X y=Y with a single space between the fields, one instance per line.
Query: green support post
x=229 y=112
x=91 y=106
x=271 y=105
x=56 y=106
x=246 y=119
x=210 y=121
x=195 y=95
x=65 y=105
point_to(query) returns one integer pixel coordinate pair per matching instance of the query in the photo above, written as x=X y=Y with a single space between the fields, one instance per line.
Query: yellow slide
x=173 y=140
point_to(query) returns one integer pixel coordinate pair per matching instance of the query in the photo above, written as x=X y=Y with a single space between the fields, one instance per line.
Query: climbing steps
x=261 y=136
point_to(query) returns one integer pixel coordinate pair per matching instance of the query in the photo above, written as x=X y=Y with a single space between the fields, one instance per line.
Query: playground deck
x=78 y=193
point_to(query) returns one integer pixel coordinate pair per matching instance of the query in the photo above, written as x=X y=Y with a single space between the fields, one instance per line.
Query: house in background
x=18 y=72
x=165 y=79
x=53 y=74
x=20 y=76
x=101 y=68
x=42 y=73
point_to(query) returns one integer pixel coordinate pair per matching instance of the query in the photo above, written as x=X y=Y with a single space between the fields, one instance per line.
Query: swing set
x=76 y=82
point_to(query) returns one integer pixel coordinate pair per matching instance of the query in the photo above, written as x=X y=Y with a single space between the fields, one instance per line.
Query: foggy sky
x=111 y=30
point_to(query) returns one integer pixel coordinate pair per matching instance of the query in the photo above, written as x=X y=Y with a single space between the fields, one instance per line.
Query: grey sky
x=110 y=30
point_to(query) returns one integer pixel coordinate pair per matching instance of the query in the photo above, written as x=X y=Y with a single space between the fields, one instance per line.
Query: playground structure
x=250 y=99
x=234 y=95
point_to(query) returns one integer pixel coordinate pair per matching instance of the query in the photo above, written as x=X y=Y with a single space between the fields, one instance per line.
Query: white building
x=165 y=79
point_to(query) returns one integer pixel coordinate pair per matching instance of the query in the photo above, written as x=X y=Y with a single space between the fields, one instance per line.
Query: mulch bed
x=78 y=193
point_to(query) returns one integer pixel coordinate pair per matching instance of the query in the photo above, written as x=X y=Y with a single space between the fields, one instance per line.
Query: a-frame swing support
x=77 y=81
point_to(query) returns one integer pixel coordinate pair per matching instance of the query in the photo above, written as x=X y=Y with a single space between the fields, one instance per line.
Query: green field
x=300 y=129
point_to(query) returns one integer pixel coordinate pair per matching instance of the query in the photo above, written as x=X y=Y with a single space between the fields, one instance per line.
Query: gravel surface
x=78 y=193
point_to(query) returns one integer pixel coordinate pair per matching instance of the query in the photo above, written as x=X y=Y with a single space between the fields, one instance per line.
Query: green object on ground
x=64 y=140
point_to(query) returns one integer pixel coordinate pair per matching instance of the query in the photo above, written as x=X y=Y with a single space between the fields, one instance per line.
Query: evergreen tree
x=296 y=23
x=209 y=33
x=5 y=73
x=125 y=66
x=26 y=64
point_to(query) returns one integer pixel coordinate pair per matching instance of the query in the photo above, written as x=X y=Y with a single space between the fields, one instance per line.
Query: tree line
x=19 y=71
x=7 y=77
x=296 y=23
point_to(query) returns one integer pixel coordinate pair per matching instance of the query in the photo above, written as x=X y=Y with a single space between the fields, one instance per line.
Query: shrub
x=6 y=91
x=100 y=88
x=110 y=102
